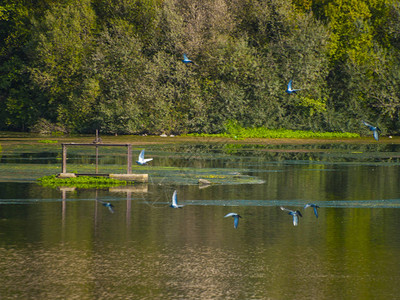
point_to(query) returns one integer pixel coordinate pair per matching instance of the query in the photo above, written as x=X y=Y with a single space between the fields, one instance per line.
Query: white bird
x=314 y=206
x=294 y=213
x=236 y=218
x=290 y=90
x=141 y=160
x=186 y=60
x=375 y=130
x=174 y=203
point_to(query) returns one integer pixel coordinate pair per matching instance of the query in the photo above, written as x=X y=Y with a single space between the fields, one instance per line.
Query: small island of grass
x=86 y=182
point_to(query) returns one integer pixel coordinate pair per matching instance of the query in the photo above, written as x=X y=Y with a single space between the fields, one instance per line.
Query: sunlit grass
x=238 y=132
x=47 y=141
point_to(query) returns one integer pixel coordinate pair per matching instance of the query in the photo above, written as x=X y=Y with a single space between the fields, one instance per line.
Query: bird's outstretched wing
x=314 y=206
x=235 y=217
x=236 y=221
x=285 y=209
x=174 y=202
x=376 y=134
x=230 y=215
x=141 y=155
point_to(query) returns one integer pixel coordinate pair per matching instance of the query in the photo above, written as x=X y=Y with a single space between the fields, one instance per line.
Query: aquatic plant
x=81 y=182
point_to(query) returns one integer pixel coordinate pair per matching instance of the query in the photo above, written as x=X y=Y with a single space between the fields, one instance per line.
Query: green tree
x=114 y=71
x=61 y=41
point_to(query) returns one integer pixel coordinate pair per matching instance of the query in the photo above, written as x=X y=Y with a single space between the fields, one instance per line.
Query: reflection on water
x=64 y=244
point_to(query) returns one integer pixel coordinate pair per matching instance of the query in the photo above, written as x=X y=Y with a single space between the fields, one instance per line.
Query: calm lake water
x=64 y=244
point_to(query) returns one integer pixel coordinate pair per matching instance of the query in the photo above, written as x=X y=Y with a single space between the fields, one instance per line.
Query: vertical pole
x=64 y=158
x=129 y=154
x=97 y=151
x=97 y=160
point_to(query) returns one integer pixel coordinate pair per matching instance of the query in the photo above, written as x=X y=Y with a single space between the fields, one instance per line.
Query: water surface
x=64 y=244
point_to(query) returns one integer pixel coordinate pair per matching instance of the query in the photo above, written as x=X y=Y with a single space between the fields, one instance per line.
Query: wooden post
x=129 y=154
x=97 y=160
x=64 y=159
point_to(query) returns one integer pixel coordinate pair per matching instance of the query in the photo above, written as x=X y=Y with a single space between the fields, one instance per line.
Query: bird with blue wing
x=108 y=205
x=314 y=206
x=141 y=160
x=290 y=90
x=375 y=130
x=294 y=213
x=235 y=219
x=174 y=201
x=186 y=60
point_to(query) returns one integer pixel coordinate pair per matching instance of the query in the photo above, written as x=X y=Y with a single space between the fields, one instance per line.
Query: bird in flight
x=186 y=60
x=235 y=217
x=290 y=90
x=294 y=213
x=313 y=206
x=375 y=130
x=174 y=203
x=108 y=205
x=141 y=160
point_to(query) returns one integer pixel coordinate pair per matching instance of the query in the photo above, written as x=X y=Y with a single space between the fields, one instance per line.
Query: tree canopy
x=116 y=65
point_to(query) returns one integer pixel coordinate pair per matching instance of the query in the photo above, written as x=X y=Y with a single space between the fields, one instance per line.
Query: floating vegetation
x=234 y=130
x=48 y=141
x=194 y=176
x=84 y=182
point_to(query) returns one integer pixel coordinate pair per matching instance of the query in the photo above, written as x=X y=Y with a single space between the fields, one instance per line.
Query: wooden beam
x=64 y=158
x=129 y=155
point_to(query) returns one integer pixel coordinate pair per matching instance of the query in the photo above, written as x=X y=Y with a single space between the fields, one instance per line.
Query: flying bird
x=141 y=160
x=294 y=213
x=174 y=203
x=313 y=206
x=290 y=90
x=374 y=129
x=186 y=60
x=108 y=205
x=235 y=217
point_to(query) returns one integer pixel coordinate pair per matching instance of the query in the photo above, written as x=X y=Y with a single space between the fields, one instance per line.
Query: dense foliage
x=115 y=65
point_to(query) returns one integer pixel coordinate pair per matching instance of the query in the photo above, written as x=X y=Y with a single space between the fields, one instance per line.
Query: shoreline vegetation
x=243 y=136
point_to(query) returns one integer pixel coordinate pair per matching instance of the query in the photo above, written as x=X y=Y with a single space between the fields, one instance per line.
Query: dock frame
x=127 y=176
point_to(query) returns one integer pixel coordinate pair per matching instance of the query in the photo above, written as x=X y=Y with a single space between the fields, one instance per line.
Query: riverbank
x=26 y=138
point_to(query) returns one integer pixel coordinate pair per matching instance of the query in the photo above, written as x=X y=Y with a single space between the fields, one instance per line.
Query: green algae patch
x=83 y=182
